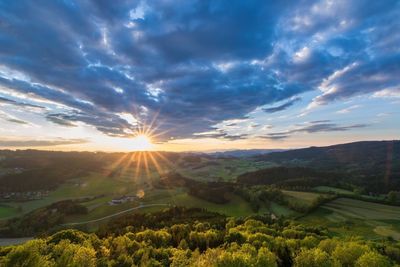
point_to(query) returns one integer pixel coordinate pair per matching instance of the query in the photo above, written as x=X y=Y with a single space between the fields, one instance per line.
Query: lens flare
x=141 y=142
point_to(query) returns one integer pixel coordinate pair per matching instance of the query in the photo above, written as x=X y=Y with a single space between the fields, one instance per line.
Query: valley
x=151 y=181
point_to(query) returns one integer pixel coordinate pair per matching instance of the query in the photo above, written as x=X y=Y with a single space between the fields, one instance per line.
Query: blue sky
x=88 y=75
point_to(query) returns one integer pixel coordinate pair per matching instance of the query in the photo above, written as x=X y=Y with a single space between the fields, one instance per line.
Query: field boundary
x=115 y=214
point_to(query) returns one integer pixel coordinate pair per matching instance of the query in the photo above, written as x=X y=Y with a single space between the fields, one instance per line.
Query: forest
x=202 y=241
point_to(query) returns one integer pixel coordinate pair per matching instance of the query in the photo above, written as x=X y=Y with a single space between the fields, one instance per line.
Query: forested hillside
x=258 y=241
x=374 y=165
x=32 y=170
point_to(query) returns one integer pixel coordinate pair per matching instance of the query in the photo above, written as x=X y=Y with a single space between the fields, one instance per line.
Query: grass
x=236 y=207
x=328 y=189
x=363 y=210
x=305 y=198
x=350 y=217
x=104 y=188
x=388 y=231
x=344 y=192
x=280 y=210
x=93 y=185
x=8 y=211
x=225 y=169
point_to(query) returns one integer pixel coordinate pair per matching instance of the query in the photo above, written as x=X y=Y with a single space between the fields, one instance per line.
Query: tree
x=29 y=254
x=266 y=258
x=235 y=235
x=372 y=259
x=179 y=232
x=348 y=253
x=181 y=258
x=328 y=245
x=392 y=196
x=158 y=238
x=74 y=236
x=313 y=258
x=84 y=257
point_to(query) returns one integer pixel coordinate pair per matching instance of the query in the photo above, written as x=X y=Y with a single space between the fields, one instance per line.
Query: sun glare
x=141 y=142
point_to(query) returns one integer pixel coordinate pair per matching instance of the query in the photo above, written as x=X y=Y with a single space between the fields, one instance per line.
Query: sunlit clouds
x=161 y=75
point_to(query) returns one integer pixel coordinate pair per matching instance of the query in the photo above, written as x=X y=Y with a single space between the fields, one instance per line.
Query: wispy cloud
x=220 y=134
x=283 y=106
x=7 y=101
x=348 y=110
x=40 y=143
x=10 y=118
x=313 y=128
x=388 y=93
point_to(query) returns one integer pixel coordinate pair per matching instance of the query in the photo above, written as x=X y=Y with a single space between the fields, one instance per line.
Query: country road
x=115 y=214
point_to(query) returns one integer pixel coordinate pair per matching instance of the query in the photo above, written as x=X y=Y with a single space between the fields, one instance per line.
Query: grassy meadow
x=350 y=217
x=304 y=198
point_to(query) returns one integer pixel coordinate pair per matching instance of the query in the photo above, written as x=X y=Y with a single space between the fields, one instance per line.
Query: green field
x=7 y=211
x=130 y=178
x=280 y=210
x=304 y=198
x=329 y=189
x=100 y=189
x=344 y=192
x=221 y=169
x=236 y=207
x=349 y=217
x=96 y=186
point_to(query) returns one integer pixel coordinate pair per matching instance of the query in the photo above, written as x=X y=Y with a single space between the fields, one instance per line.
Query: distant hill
x=349 y=152
x=373 y=164
x=244 y=153
x=284 y=176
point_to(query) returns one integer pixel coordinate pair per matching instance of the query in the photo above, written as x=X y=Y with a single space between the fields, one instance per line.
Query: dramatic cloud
x=314 y=127
x=192 y=64
x=40 y=143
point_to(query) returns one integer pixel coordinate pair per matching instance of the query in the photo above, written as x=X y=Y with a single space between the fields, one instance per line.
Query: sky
x=197 y=74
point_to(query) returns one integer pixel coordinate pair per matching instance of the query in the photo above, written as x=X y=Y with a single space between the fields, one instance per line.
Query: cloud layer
x=40 y=143
x=314 y=127
x=195 y=63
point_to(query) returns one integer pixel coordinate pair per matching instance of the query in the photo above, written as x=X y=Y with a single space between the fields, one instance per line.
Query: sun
x=141 y=142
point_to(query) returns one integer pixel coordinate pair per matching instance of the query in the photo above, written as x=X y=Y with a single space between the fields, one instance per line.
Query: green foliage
x=372 y=259
x=392 y=196
x=241 y=242
x=68 y=254
x=74 y=236
x=313 y=258
x=158 y=238
x=348 y=253
x=32 y=254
